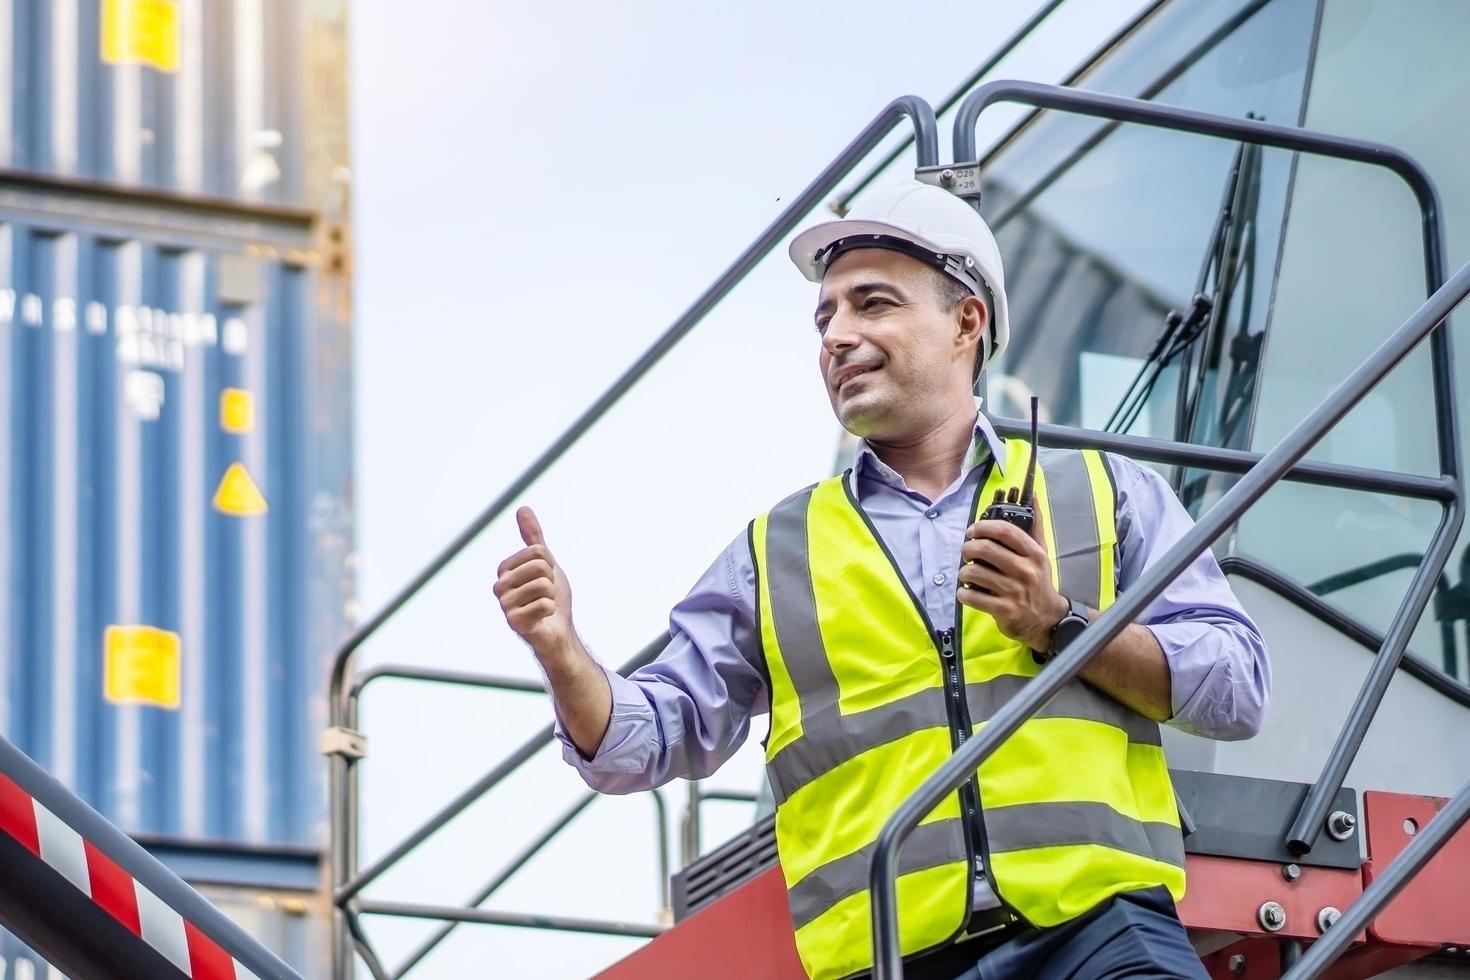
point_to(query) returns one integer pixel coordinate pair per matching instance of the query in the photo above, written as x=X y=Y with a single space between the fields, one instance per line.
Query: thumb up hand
x=534 y=593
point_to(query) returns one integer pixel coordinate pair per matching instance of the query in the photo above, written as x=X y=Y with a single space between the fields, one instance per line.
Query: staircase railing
x=1263 y=473
x=344 y=745
x=343 y=742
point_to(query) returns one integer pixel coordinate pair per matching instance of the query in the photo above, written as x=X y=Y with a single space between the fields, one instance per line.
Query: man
x=878 y=618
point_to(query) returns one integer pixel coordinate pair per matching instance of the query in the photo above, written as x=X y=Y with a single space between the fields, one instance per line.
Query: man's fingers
x=986 y=578
x=516 y=573
x=1005 y=533
x=526 y=617
x=982 y=601
x=995 y=554
x=530 y=527
x=537 y=552
x=525 y=594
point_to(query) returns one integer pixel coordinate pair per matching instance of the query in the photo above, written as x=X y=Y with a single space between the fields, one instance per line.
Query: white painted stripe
x=195 y=490
x=163 y=928
x=249 y=39
x=62 y=848
x=189 y=99
x=255 y=692
x=127 y=122
x=7 y=72
x=7 y=233
x=65 y=510
x=129 y=544
x=64 y=46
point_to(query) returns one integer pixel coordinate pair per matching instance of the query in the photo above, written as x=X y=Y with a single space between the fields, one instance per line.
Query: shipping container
x=173 y=482
x=175 y=426
x=205 y=97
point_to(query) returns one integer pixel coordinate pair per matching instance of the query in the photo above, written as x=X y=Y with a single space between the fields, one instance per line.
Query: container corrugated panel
x=193 y=96
x=175 y=484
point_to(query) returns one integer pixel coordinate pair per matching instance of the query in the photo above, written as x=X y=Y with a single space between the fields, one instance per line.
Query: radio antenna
x=1031 y=467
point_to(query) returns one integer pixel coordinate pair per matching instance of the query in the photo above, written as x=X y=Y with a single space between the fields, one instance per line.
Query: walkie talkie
x=1017 y=508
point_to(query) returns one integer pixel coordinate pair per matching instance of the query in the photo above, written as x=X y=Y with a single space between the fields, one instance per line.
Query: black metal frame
x=1356 y=630
x=1265 y=472
x=347 y=882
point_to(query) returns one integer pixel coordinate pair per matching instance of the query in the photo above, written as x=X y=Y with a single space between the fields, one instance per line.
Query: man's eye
x=875 y=302
x=821 y=326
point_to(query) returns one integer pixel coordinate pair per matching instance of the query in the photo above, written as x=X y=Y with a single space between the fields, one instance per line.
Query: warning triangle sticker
x=237 y=493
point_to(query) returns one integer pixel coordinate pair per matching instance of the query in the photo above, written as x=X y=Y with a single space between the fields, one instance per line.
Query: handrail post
x=689 y=838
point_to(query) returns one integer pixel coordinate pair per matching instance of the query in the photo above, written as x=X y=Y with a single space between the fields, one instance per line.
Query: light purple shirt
x=687 y=712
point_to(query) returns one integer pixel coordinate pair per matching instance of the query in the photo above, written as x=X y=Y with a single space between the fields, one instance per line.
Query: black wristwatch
x=1067 y=629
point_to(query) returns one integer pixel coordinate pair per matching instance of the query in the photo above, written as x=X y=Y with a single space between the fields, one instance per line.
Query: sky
x=539 y=191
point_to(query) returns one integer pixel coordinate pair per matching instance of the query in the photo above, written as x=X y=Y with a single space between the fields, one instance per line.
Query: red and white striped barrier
x=114 y=890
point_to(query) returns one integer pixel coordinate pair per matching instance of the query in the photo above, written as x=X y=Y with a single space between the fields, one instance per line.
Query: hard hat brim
x=807 y=247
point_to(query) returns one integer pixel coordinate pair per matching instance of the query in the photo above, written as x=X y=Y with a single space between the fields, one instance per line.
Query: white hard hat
x=927 y=222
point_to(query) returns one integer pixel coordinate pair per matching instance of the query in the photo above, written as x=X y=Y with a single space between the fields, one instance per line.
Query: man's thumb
x=530 y=527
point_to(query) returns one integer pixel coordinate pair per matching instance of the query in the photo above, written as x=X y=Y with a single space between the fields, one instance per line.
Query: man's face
x=890 y=358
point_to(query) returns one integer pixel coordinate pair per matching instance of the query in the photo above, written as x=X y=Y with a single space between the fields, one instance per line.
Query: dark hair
x=951 y=293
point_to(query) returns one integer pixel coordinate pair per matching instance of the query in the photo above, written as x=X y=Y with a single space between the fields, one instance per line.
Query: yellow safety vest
x=866 y=703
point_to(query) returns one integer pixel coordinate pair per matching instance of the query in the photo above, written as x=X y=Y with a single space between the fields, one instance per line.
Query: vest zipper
x=960 y=726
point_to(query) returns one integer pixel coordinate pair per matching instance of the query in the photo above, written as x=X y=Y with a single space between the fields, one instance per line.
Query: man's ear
x=972 y=322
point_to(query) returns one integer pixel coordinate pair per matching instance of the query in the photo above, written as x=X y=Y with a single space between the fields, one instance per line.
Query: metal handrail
x=909 y=108
x=497 y=683
x=1108 y=45
x=839 y=206
x=1314 y=807
x=57 y=911
x=966 y=760
x=1354 y=629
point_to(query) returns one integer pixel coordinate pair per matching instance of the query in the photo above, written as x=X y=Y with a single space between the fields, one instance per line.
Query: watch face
x=1067 y=630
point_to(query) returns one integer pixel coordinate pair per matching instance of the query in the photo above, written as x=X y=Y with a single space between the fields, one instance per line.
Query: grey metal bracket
x=342 y=741
x=960 y=179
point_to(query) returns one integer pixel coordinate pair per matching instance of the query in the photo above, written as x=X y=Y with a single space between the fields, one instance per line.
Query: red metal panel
x=1434 y=909
x=1261 y=960
x=1225 y=895
x=748 y=933
x=745 y=934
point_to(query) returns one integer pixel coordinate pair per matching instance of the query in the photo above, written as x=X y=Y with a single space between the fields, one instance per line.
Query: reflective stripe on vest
x=1077 y=803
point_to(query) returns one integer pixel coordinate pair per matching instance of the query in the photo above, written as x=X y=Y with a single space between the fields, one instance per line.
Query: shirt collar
x=985 y=444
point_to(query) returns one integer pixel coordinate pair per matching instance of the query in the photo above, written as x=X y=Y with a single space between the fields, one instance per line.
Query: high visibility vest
x=868 y=698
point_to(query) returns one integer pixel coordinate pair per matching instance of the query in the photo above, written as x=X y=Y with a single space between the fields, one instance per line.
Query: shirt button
x=939 y=578
x=931 y=514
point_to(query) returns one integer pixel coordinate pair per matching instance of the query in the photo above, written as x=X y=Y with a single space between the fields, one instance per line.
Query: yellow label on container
x=236 y=410
x=143 y=32
x=140 y=666
x=237 y=493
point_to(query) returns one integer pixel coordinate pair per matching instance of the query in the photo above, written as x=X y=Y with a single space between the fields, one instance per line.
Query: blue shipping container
x=175 y=477
x=204 y=97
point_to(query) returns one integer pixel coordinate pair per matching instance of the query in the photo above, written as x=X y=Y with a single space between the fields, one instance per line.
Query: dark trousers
x=1134 y=935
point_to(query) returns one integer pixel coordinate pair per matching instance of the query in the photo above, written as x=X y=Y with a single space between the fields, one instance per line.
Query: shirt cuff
x=1205 y=677
x=628 y=745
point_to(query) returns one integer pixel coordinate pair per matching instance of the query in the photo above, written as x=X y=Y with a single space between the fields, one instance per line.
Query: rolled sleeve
x=1219 y=672
x=688 y=711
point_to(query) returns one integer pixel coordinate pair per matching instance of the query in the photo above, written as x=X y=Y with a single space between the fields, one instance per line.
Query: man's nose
x=841 y=334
